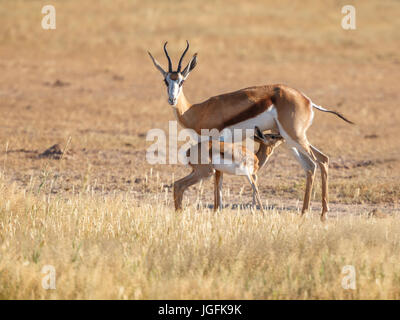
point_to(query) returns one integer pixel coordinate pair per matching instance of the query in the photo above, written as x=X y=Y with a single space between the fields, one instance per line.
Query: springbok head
x=174 y=79
x=271 y=139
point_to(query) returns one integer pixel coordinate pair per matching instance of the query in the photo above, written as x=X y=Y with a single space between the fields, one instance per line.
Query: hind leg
x=309 y=167
x=297 y=140
x=323 y=162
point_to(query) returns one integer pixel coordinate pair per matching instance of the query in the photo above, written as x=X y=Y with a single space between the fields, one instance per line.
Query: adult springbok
x=229 y=158
x=270 y=107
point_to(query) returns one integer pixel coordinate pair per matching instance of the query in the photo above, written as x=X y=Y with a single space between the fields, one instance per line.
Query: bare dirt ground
x=93 y=82
x=90 y=87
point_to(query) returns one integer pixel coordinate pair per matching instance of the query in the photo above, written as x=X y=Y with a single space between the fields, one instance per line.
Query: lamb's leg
x=218 y=190
x=199 y=173
x=253 y=184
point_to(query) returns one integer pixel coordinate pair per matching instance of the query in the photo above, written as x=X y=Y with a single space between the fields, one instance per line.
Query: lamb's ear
x=157 y=65
x=258 y=135
x=192 y=63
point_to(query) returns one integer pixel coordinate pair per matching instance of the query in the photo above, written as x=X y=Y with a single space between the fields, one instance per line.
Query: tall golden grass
x=113 y=247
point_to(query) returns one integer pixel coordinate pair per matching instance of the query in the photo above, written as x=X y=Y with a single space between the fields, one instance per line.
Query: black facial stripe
x=166 y=82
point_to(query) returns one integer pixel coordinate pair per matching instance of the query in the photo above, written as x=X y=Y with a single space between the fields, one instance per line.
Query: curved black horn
x=183 y=54
x=169 y=59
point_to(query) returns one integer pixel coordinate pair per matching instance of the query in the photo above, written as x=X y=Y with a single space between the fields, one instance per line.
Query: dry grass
x=102 y=215
x=110 y=247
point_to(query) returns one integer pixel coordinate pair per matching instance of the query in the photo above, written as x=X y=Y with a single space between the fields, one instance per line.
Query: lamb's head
x=270 y=140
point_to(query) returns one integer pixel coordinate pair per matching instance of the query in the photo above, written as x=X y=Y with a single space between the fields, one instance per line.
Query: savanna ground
x=102 y=216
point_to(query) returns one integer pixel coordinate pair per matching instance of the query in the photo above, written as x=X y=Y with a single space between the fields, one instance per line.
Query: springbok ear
x=157 y=65
x=192 y=63
x=258 y=135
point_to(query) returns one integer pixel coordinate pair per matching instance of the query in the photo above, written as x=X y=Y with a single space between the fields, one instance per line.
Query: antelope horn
x=169 y=59
x=183 y=54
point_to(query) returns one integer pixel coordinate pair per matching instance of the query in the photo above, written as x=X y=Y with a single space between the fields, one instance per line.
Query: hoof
x=303 y=214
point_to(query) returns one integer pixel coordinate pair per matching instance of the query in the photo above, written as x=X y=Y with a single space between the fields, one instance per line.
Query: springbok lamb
x=226 y=158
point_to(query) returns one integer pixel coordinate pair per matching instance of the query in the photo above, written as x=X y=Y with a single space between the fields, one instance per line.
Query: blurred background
x=90 y=81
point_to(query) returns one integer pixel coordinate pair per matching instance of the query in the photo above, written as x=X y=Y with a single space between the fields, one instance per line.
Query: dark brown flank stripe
x=253 y=111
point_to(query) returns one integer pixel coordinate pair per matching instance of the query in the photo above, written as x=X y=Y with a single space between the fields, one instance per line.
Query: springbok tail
x=330 y=111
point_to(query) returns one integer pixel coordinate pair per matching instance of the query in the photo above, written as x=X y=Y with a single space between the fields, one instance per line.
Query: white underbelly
x=229 y=166
x=264 y=121
x=233 y=169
